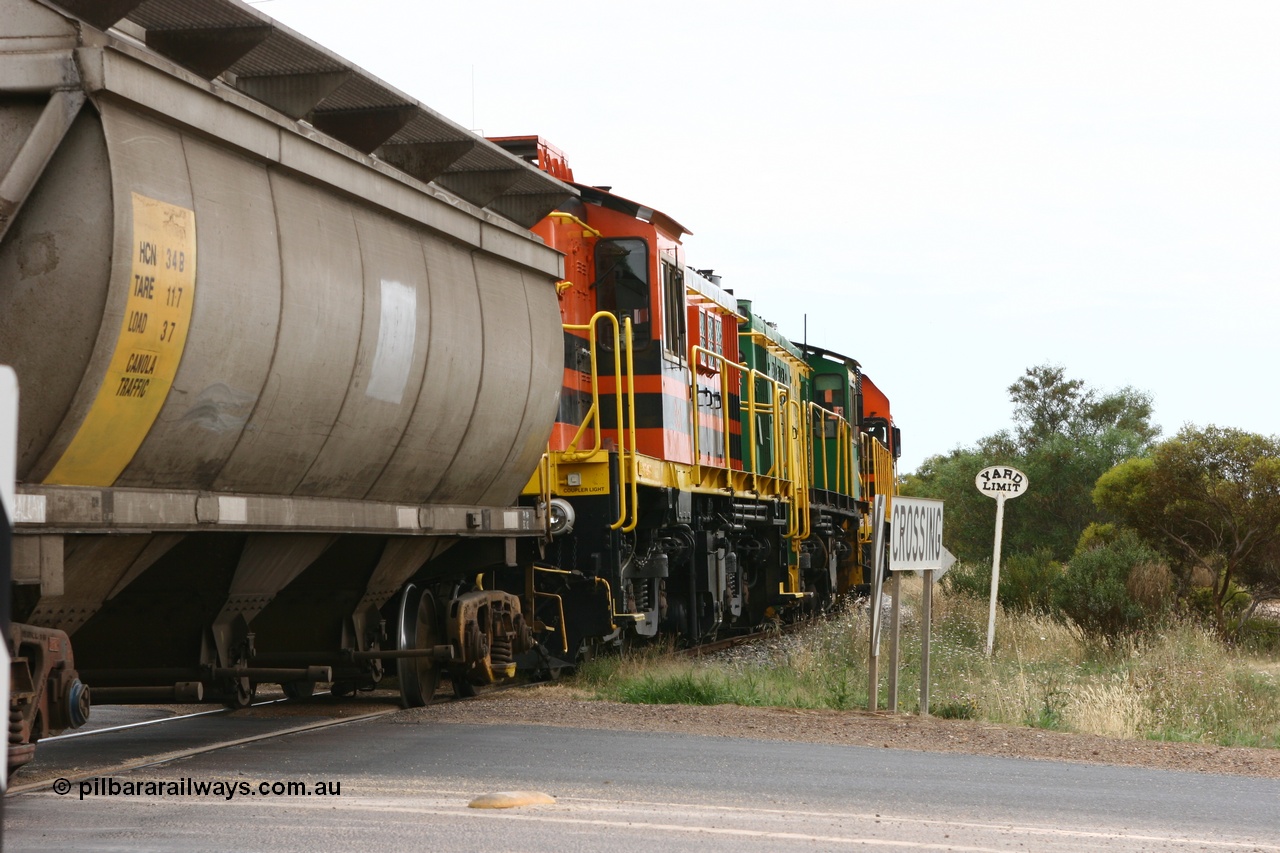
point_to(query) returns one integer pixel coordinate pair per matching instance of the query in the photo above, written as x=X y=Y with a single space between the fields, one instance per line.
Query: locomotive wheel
x=417 y=628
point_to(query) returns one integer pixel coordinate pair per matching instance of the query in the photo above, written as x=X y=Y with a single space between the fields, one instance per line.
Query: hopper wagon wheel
x=240 y=694
x=417 y=628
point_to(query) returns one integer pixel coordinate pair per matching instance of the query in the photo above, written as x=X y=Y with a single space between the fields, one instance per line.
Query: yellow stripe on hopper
x=162 y=289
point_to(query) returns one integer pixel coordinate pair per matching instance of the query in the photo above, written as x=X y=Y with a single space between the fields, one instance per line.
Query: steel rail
x=743 y=639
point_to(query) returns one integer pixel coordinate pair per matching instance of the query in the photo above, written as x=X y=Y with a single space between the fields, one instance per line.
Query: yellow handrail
x=794 y=522
x=725 y=367
x=877 y=467
x=799 y=524
x=531 y=589
x=844 y=448
x=592 y=418
x=774 y=409
x=779 y=464
x=587 y=230
x=545 y=479
x=628 y=464
x=820 y=426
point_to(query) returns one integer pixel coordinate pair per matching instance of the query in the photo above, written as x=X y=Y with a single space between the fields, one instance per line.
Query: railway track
x=126 y=738
x=770 y=633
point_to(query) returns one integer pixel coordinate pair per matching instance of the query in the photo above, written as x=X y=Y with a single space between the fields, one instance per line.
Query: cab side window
x=622 y=283
x=829 y=388
x=673 y=332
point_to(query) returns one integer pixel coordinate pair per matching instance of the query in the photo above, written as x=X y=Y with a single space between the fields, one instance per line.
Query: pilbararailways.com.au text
x=108 y=786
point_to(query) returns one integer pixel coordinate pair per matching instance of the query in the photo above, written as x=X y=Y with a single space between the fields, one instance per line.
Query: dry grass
x=1180 y=683
x=1151 y=586
x=1112 y=710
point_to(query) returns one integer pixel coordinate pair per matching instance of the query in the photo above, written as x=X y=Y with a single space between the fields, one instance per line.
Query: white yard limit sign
x=1000 y=482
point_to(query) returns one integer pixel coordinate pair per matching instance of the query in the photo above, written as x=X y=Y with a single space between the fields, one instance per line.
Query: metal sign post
x=926 y=625
x=999 y=482
x=877 y=587
x=895 y=633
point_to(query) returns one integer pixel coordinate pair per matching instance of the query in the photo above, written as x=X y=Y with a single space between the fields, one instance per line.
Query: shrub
x=971 y=580
x=1259 y=635
x=1026 y=581
x=1096 y=535
x=1201 y=599
x=1094 y=590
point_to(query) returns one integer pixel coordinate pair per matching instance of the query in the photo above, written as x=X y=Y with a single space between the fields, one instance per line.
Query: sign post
x=915 y=544
x=877 y=586
x=926 y=625
x=999 y=482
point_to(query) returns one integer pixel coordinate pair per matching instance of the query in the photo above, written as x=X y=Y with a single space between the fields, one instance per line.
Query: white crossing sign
x=915 y=536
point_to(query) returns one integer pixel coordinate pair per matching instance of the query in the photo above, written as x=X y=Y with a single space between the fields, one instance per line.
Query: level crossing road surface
x=395 y=783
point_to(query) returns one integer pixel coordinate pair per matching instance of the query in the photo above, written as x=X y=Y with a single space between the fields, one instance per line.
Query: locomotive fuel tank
x=281 y=333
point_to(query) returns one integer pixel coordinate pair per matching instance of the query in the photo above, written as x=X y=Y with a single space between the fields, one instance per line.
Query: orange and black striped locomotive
x=705 y=474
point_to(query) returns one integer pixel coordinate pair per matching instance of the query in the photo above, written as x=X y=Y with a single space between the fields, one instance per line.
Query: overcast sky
x=951 y=191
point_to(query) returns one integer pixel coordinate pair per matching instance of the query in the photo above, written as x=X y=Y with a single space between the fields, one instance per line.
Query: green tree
x=1065 y=436
x=1047 y=407
x=1096 y=589
x=1210 y=498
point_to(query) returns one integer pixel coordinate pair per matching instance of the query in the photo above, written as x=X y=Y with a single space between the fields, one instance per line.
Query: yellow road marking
x=511 y=800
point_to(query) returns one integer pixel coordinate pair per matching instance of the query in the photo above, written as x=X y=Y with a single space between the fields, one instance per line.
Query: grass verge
x=1177 y=684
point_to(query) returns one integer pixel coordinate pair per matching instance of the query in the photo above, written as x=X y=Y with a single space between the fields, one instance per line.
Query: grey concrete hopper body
x=250 y=291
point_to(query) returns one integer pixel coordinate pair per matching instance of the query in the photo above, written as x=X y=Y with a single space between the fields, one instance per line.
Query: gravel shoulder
x=558 y=705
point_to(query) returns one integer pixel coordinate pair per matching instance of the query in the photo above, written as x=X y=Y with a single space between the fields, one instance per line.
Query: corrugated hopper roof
x=288 y=72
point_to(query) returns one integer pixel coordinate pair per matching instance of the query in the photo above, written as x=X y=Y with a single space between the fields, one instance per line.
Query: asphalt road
x=406 y=786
